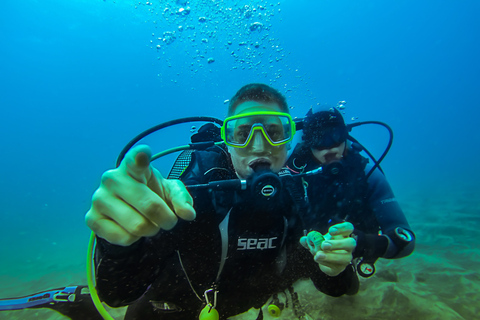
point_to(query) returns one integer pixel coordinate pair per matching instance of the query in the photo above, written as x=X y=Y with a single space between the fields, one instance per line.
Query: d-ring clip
x=214 y=304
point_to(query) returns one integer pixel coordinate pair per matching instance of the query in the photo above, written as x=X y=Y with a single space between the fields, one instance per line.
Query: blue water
x=78 y=79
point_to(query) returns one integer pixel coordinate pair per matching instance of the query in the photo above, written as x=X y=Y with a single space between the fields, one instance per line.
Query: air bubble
x=169 y=37
x=256 y=26
x=184 y=11
x=341 y=105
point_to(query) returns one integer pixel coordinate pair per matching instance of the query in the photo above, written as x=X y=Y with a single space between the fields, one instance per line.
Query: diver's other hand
x=135 y=201
x=333 y=253
x=336 y=251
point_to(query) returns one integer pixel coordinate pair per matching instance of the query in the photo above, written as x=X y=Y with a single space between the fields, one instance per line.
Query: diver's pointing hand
x=135 y=201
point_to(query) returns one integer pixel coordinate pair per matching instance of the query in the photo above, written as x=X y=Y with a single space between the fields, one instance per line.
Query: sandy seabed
x=440 y=280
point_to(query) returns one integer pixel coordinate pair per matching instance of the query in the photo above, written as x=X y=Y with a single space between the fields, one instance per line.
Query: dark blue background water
x=78 y=79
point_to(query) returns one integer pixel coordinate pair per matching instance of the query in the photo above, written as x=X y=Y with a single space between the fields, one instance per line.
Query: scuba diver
x=349 y=189
x=169 y=253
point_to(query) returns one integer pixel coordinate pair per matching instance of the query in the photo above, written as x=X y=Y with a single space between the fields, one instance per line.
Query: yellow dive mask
x=277 y=127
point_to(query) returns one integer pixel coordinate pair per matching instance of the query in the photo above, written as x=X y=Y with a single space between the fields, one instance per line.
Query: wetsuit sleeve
x=390 y=217
x=123 y=274
x=344 y=283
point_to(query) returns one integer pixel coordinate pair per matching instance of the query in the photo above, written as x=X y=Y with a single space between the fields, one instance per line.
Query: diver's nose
x=335 y=150
x=258 y=142
x=333 y=154
x=338 y=150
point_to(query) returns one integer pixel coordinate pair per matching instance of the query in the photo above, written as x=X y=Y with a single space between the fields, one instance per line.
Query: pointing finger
x=137 y=163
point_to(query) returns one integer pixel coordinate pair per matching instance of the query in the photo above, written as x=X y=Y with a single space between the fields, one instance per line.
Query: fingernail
x=333 y=230
x=320 y=256
x=326 y=245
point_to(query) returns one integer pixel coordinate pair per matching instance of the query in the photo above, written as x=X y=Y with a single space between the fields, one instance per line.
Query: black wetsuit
x=244 y=249
x=342 y=193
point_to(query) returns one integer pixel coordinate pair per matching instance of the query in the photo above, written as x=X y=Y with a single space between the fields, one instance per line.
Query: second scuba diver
x=348 y=189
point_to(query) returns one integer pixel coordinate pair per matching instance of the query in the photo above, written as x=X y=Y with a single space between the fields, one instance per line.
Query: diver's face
x=327 y=156
x=259 y=152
